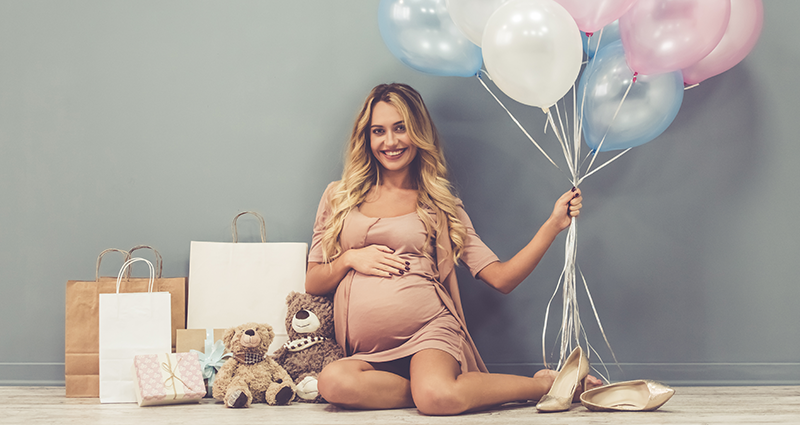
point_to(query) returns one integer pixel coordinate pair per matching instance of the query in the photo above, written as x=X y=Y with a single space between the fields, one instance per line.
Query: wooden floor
x=690 y=405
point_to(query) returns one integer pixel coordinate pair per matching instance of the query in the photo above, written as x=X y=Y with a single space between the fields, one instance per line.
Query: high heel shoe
x=638 y=395
x=572 y=374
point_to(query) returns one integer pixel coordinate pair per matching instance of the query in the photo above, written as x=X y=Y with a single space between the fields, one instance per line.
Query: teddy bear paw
x=236 y=398
x=284 y=396
x=307 y=388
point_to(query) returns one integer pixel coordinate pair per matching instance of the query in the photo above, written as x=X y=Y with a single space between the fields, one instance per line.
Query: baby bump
x=385 y=312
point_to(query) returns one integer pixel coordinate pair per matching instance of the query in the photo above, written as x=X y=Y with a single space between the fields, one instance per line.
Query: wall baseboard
x=683 y=374
x=675 y=374
x=32 y=374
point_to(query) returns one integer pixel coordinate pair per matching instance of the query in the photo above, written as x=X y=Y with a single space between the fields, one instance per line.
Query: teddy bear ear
x=227 y=337
x=266 y=328
x=291 y=295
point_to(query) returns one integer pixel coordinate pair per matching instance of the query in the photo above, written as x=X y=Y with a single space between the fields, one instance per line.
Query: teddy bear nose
x=250 y=332
x=301 y=315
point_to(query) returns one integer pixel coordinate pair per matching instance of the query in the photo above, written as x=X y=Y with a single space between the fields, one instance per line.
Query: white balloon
x=470 y=16
x=532 y=50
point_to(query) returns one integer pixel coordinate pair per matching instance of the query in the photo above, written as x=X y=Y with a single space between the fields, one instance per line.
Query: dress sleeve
x=323 y=211
x=476 y=255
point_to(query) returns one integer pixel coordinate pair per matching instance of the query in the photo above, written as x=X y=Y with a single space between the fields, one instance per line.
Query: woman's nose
x=391 y=139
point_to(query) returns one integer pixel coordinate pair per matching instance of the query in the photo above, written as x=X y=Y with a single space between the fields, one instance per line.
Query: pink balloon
x=662 y=36
x=593 y=15
x=744 y=28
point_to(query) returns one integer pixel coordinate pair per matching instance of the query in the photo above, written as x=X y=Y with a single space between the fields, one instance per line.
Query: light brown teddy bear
x=250 y=375
x=309 y=323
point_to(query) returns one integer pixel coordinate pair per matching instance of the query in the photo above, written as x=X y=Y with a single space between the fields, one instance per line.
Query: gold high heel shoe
x=638 y=395
x=572 y=373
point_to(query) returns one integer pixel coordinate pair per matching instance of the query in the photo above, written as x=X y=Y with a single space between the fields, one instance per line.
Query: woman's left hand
x=568 y=206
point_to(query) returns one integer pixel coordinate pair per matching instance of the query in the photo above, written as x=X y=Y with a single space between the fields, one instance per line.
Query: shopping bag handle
x=100 y=258
x=260 y=219
x=159 y=261
x=128 y=264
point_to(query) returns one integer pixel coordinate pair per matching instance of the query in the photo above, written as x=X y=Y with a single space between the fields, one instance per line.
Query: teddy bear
x=312 y=342
x=250 y=375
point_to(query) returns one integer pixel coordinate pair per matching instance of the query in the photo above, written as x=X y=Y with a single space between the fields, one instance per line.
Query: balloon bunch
x=642 y=55
x=533 y=51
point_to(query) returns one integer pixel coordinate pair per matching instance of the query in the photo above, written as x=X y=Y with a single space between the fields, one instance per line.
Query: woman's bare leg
x=439 y=388
x=356 y=384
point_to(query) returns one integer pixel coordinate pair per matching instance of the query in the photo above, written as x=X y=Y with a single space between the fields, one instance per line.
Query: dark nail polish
x=408 y=268
x=401 y=272
x=407 y=263
x=574 y=188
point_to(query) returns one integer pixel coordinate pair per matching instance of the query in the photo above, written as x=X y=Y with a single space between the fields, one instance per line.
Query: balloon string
x=576 y=128
x=596 y=151
x=597 y=318
x=513 y=118
x=564 y=147
x=571 y=329
x=604 y=164
x=570 y=319
x=546 y=318
x=564 y=132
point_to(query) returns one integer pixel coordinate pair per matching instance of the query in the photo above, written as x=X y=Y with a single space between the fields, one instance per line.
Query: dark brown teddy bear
x=312 y=342
x=250 y=375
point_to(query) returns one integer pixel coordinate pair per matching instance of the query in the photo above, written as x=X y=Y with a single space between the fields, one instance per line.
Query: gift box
x=208 y=346
x=169 y=378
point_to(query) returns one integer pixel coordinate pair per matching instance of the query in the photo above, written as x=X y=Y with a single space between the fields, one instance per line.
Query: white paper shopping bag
x=130 y=324
x=235 y=283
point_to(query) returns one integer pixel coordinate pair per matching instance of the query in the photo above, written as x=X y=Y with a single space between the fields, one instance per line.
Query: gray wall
x=152 y=122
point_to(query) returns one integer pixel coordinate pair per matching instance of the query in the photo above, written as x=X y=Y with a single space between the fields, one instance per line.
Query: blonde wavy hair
x=362 y=172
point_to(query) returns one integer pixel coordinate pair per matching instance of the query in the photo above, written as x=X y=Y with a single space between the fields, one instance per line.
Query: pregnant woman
x=386 y=239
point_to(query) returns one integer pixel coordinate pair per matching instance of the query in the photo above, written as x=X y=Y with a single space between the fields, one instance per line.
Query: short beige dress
x=384 y=319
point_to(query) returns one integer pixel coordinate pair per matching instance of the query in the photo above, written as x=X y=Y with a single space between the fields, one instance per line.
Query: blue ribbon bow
x=212 y=360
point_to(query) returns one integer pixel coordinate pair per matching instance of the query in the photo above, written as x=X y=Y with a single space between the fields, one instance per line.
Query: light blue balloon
x=423 y=36
x=649 y=108
x=610 y=34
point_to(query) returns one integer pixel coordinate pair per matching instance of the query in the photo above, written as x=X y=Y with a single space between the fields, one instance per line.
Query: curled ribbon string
x=514 y=118
x=170 y=381
x=572 y=332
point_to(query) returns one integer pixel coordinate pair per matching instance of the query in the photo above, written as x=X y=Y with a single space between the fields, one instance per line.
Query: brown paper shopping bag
x=81 y=364
x=235 y=283
x=197 y=339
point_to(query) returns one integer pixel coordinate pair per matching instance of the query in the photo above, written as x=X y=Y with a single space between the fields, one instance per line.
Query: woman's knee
x=337 y=383
x=438 y=400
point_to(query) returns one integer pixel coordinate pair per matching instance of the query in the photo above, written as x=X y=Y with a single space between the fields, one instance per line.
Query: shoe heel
x=562 y=394
x=582 y=389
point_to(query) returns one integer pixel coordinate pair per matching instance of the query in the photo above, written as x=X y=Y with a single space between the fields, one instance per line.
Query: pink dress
x=382 y=319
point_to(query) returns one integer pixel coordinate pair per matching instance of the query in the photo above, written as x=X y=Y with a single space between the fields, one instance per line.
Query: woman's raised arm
x=507 y=275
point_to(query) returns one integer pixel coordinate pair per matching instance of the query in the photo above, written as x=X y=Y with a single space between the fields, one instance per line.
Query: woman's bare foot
x=591 y=382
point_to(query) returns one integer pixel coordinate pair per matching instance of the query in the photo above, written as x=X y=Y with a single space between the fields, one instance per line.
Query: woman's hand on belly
x=371 y=260
x=376 y=260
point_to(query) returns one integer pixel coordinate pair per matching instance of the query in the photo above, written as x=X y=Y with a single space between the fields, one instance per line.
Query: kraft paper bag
x=130 y=324
x=235 y=283
x=81 y=361
x=197 y=339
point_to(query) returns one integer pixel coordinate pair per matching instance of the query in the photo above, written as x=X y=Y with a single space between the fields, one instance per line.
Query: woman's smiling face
x=389 y=139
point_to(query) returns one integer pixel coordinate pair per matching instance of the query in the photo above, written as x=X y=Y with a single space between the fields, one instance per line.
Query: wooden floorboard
x=690 y=405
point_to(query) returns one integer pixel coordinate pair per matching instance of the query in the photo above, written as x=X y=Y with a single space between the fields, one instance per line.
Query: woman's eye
x=400 y=129
x=377 y=131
